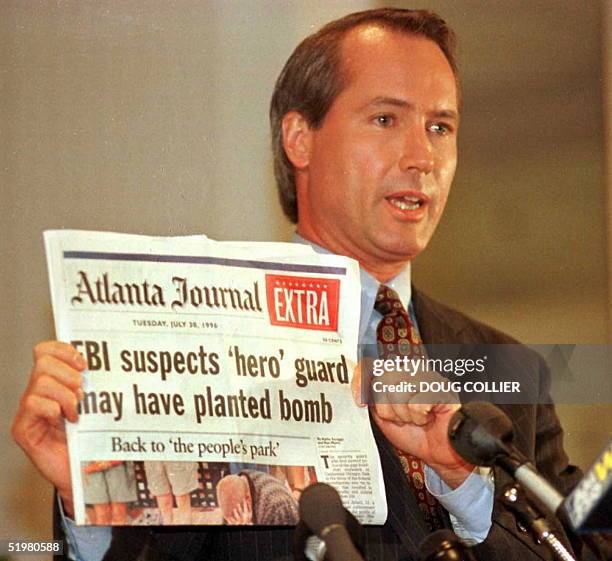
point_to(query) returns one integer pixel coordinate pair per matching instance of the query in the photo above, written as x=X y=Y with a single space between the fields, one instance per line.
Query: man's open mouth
x=406 y=202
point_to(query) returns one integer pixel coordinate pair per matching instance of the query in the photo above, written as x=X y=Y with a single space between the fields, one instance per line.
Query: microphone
x=335 y=529
x=444 y=545
x=482 y=434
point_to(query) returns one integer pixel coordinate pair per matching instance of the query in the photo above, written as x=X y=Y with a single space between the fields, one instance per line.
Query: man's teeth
x=406 y=203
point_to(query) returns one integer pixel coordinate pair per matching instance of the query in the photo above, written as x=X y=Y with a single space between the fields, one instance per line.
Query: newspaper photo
x=218 y=379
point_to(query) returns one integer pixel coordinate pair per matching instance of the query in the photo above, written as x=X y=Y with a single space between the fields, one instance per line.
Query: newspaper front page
x=218 y=379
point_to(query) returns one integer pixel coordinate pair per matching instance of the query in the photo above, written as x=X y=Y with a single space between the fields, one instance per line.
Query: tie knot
x=387 y=301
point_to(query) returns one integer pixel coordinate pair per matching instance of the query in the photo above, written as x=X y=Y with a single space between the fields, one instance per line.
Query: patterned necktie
x=397 y=336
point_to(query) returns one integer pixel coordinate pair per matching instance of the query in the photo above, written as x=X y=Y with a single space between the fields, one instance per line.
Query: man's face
x=380 y=167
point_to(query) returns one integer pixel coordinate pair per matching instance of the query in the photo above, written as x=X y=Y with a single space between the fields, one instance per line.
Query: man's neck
x=400 y=282
x=383 y=271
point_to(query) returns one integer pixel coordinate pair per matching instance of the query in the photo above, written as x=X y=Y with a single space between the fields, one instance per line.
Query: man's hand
x=419 y=429
x=51 y=396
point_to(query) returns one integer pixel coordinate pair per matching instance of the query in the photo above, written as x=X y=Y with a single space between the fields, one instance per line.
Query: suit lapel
x=403 y=511
x=435 y=326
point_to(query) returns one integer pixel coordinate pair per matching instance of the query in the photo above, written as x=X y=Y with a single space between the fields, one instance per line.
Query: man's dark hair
x=313 y=77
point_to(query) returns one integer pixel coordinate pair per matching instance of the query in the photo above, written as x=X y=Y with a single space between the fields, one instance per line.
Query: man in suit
x=364 y=122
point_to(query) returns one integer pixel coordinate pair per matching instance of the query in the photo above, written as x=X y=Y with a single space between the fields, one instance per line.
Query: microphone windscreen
x=320 y=506
x=479 y=431
x=491 y=418
x=305 y=547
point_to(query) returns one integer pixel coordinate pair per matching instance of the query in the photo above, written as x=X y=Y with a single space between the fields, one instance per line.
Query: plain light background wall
x=152 y=118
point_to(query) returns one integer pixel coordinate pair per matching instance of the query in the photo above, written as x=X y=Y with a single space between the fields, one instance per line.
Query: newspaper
x=218 y=379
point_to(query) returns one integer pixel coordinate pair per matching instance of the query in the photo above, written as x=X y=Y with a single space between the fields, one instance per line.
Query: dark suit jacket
x=538 y=435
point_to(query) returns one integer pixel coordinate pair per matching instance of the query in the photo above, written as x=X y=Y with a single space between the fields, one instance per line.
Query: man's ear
x=297 y=139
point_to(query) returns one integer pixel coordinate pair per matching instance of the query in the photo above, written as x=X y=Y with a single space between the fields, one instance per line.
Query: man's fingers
x=38 y=407
x=386 y=412
x=50 y=365
x=420 y=413
x=61 y=351
x=53 y=391
x=446 y=408
x=418 y=409
x=49 y=388
x=402 y=413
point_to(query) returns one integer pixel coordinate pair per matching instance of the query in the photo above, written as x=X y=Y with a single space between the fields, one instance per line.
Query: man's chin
x=398 y=250
x=399 y=242
x=386 y=261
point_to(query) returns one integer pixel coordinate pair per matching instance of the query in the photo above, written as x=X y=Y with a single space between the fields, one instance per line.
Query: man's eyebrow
x=398 y=102
x=384 y=100
x=447 y=113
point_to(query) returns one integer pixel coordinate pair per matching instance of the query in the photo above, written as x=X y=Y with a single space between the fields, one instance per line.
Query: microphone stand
x=514 y=498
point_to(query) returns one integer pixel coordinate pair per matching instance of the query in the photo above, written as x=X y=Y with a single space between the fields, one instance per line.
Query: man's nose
x=417 y=153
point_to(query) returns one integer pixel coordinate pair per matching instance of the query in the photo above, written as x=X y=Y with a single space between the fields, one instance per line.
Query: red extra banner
x=303 y=302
